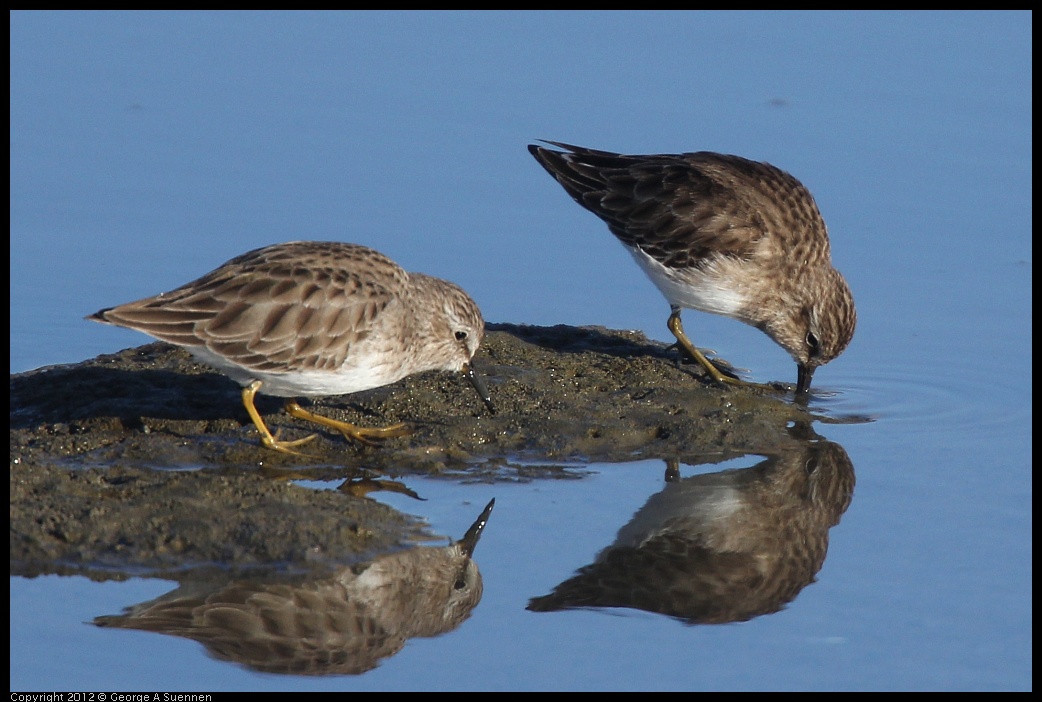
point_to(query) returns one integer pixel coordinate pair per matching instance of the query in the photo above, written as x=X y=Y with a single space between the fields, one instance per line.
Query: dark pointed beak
x=470 y=539
x=803 y=380
x=479 y=385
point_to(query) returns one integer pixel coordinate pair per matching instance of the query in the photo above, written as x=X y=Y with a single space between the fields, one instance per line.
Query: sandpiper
x=312 y=319
x=720 y=234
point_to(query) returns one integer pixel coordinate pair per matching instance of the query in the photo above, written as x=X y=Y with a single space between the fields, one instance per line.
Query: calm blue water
x=147 y=148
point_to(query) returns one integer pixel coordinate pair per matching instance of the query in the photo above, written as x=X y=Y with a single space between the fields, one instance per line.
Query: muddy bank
x=100 y=450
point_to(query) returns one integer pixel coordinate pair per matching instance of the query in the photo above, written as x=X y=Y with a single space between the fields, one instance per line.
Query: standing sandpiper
x=720 y=234
x=314 y=318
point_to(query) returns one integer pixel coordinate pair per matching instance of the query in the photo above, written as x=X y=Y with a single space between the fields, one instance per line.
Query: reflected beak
x=470 y=539
x=803 y=380
x=479 y=385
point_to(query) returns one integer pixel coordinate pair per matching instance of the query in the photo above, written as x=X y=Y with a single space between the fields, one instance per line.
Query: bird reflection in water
x=340 y=625
x=722 y=547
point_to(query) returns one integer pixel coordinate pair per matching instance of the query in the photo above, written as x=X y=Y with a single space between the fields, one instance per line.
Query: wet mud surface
x=144 y=462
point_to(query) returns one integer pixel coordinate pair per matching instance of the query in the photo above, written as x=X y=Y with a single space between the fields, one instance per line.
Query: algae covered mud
x=144 y=461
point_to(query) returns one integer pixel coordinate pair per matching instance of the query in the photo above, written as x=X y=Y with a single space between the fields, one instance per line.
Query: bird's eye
x=461 y=335
x=813 y=344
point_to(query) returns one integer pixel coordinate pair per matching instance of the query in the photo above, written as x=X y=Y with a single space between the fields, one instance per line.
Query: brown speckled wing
x=296 y=306
x=681 y=209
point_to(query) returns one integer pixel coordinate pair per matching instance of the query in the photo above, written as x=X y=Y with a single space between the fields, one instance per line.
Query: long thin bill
x=479 y=385
x=803 y=377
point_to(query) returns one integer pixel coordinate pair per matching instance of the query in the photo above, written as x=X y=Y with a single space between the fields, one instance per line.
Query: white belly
x=705 y=289
x=306 y=383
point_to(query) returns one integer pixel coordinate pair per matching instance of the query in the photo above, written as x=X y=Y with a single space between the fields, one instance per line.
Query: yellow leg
x=715 y=373
x=267 y=439
x=367 y=436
